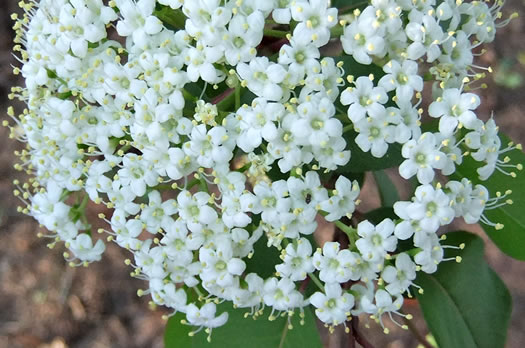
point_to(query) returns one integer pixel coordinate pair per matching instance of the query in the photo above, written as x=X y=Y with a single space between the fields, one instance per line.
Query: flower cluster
x=209 y=129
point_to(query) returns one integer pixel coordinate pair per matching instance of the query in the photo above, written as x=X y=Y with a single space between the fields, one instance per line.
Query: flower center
x=296 y=262
x=333 y=263
x=238 y=42
x=421 y=159
x=377 y=240
x=331 y=303
x=431 y=208
x=300 y=57
x=194 y=210
x=374 y=132
x=220 y=265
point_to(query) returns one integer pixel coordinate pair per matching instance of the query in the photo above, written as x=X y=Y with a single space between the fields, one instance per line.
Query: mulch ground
x=46 y=304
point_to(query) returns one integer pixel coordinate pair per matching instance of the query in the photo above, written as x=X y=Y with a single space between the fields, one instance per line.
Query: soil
x=46 y=304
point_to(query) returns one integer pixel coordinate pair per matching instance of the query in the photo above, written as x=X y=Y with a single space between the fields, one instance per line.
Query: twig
x=351 y=338
x=416 y=334
x=358 y=336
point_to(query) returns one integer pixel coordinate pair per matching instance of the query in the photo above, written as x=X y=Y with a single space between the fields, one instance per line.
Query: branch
x=351 y=339
x=417 y=335
x=358 y=336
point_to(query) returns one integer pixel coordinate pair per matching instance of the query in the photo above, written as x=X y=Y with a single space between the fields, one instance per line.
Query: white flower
x=174 y=4
x=383 y=304
x=323 y=80
x=48 y=209
x=402 y=78
x=263 y=78
x=363 y=98
x=272 y=199
x=282 y=10
x=374 y=132
x=201 y=133
x=484 y=140
x=333 y=307
x=481 y=21
x=194 y=209
x=343 y=202
x=315 y=20
x=157 y=212
x=258 y=123
x=334 y=265
x=200 y=61
x=376 y=241
x=400 y=277
x=178 y=244
x=362 y=39
x=252 y=296
x=300 y=57
x=331 y=155
x=431 y=255
x=468 y=201
x=431 y=207
x=138 y=20
x=316 y=123
x=281 y=294
x=457 y=52
x=455 y=108
x=209 y=147
x=422 y=157
x=83 y=248
x=405 y=117
x=297 y=260
x=307 y=190
x=426 y=35
x=242 y=38
x=219 y=266
x=205 y=316
x=206 y=20
x=137 y=174
x=127 y=234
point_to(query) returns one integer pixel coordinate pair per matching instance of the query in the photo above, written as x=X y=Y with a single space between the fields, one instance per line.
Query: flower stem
x=237 y=97
x=316 y=281
x=283 y=336
x=350 y=232
x=275 y=33
x=337 y=31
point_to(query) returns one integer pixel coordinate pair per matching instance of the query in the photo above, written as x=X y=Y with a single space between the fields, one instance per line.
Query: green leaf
x=172 y=19
x=264 y=259
x=349 y=5
x=364 y=161
x=238 y=331
x=465 y=304
x=356 y=69
x=511 y=239
x=387 y=189
x=377 y=215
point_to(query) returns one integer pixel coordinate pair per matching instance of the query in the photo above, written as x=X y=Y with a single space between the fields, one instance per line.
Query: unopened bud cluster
x=123 y=109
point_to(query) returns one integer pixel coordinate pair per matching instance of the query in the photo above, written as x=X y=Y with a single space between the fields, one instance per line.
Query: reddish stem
x=358 y=336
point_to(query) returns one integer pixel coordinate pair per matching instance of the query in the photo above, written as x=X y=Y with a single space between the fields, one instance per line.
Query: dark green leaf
x=465 y=304
x=511 y=239
x=240 y=332
x=349 y=5
x=356 y=69
x=264 y=258
x=387 y=189
x=172 y=19
x=377 y=215
x=364 y=161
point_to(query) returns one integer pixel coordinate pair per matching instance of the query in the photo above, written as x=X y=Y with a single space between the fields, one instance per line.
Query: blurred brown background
x=45 y=303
